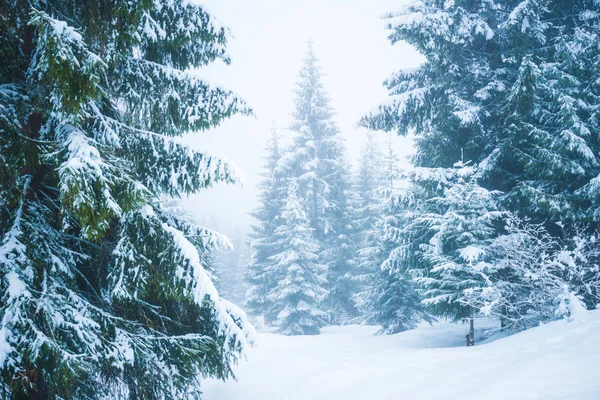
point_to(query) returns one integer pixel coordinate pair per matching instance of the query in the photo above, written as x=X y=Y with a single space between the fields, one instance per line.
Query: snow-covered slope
x=560 y=360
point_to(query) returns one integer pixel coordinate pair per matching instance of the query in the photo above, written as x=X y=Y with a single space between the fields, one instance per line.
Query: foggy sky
x=270 y=40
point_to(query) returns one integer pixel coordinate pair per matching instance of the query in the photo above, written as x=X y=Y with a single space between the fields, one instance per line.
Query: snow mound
x=558 y=360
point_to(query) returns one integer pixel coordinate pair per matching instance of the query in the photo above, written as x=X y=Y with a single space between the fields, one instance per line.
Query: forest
x=359 y=277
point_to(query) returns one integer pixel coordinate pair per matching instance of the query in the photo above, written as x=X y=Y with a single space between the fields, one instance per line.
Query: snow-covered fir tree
x=577 y=262
x=469 y=256
x=299 y=293
x=370 y=188
x=511 y=86
x=387 y=296
x=459 y=225
x=532 y=276
x=446 y=243
x=105 y=292
x=264 y=243
x=338 y=250
x=317 y=160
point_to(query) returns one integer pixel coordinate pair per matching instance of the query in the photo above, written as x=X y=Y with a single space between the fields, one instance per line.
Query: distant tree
x=387 y=297
x=391 y=165
x=339 y=252
x=264 y=243
x=317 y=160
x=371 y=188
x=300 y=291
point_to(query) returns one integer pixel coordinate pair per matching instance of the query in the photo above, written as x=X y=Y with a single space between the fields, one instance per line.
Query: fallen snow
x=558 y=360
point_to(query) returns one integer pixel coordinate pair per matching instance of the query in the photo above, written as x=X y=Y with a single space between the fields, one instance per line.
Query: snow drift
x=558 y=360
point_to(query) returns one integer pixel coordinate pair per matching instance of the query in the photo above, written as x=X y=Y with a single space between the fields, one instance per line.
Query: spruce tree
x=469 y=256
x=387 y=297
x=512 y=86
x=370 y=195
x=339 y=250
x=299 y=292
x=105 y=292
x=264 y=243
x=370 y=188
x=317 y=160
x=460 y=227
x=531 y=276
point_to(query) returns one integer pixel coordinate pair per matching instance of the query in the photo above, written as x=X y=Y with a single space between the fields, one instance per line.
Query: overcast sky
x=270 y=40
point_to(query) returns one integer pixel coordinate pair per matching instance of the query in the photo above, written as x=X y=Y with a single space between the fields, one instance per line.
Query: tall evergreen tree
x=460 y=227
x=317 y=160
x=512 y=86
x=299 y=292
x=264 y=244
x=339 y=250
x=105 y=293
x=370 y=193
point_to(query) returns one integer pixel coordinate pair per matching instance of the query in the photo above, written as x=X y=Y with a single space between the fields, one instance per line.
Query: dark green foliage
x=105 y=292
x=510 y=85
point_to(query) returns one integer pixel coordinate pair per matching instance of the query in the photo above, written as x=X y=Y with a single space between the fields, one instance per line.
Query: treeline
x=500 y=213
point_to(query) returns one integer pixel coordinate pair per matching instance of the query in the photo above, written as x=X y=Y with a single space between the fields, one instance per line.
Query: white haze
x=270 y=40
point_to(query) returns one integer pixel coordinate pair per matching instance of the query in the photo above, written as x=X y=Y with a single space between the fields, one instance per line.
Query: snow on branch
x=232 y=321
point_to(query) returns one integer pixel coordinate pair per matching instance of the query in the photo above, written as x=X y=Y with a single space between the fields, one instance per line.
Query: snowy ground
x=560 y=360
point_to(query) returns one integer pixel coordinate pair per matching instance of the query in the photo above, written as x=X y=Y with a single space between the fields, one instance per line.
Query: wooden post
x=471 y=327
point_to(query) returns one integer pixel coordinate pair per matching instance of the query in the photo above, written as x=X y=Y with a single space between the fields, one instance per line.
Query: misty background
x=269 y=41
